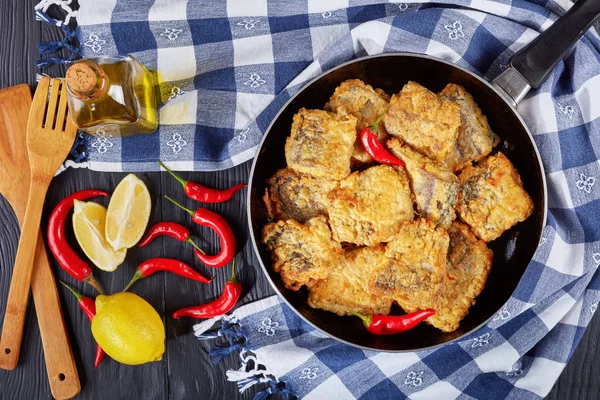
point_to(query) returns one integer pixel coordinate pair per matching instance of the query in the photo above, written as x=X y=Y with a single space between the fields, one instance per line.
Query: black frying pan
x=514 y=249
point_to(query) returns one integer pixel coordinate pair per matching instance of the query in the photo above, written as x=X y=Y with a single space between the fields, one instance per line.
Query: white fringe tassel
x=244 y=379
x=247 y=379
x=203 y=326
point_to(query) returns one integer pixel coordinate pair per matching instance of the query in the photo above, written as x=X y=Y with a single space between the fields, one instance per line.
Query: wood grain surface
x=186 y=371
x=47 y=148
x=61 y=368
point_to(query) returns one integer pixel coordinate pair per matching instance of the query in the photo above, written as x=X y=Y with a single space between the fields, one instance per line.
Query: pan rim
x=284 y=107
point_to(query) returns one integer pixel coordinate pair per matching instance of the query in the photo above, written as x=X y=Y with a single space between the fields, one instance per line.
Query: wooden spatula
x=14 y=185
x=50 y=135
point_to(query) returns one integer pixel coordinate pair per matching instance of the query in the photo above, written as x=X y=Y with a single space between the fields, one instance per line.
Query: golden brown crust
x=346 y=291
x=302 y=254
x=491 y=198
x=469 y=264
x=419 y=264
x=434 y=186
x=415 y=273
x=366 y=104
x=426 y=121
x=368 y=207
x=475 y=138
x=292 y=195
x=321 y=143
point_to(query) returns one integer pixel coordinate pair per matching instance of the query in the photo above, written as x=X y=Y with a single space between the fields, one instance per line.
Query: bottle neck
x=86 y=80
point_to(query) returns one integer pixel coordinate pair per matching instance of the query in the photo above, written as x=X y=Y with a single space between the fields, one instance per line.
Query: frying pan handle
x=531 y=65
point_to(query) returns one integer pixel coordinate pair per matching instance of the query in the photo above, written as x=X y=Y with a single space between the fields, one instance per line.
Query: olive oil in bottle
x=112 y=96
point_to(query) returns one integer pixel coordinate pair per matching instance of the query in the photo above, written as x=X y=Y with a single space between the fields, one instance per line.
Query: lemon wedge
x=89 y=225
x=128 y=213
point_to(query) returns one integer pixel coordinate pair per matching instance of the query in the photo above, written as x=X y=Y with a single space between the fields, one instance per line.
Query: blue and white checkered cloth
x=227 y=67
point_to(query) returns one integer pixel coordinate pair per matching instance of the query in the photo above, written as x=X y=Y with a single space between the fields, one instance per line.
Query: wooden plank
x=186 y=370
x=18 y=33
x=111 y=379
x=191 y=372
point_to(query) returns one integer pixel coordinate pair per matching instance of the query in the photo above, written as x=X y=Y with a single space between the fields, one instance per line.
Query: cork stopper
x=81 y=77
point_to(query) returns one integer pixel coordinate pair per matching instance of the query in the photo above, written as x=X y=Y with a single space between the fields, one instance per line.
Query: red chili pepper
x=390 y=324
x=171 y=229
x=57 y=241
x=211 y=219
x=88 y=305
x=203 y=193
x=176 y=267
x=99 y=356
x=221 y=305
x=373 y=147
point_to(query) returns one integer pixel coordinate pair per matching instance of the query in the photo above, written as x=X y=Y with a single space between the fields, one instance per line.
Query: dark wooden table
x=186 y=371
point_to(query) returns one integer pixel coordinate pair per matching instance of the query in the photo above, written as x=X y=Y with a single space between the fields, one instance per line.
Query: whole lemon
x=128 y=329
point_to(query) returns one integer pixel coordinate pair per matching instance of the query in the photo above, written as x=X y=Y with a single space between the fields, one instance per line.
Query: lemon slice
x=89 y=225
x=128 y=213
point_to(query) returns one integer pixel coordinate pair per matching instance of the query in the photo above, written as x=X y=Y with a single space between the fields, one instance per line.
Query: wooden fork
x=50 y=136
x=63 y=378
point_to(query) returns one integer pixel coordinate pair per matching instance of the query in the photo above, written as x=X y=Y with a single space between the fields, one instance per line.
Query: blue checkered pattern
x=227 y=67
x=518 y=355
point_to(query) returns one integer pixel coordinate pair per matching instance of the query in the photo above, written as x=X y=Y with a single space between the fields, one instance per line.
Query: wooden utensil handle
x=60 y=365
x=16 y=306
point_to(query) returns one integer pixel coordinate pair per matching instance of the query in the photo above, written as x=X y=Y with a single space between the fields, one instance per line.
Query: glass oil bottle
x=112 y=96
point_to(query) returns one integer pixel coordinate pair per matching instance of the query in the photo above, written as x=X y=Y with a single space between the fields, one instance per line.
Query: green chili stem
x=190 y=241
x=375 y=127
x=181 y=180
x=191 y=212
x=366 y=319
x=233 y=278
x=136 y=277
x=78 y=295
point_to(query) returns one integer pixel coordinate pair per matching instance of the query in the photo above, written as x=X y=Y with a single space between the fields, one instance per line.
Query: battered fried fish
x=469 y=264
x=491 y=198
x=366 y=104
x=475 y=138
x=435 y=188
x=321 y=143
x=302 y=254
x=368 y=207
x=415 y=273
x=346 y=291
x=297 y=196
x=426 y=121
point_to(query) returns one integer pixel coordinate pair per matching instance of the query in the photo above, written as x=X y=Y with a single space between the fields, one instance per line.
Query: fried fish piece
x=469 y=264
x=434 y=186
x=321 y=143
x=475 y=138
x=368 y=207
x=426 y=121
x=366 y=104
x=302 y=254
x=293 y=195
x=346 y=291
x=491 y=198
x=415 y=273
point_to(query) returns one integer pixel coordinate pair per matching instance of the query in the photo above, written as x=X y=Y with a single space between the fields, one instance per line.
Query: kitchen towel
x=519 y=355
x=226 y=67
